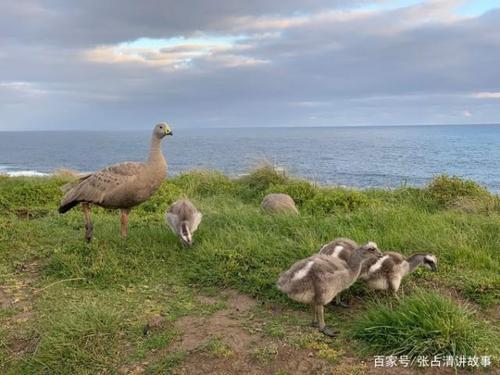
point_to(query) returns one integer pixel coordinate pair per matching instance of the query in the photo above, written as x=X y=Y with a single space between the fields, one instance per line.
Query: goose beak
x=169 y=132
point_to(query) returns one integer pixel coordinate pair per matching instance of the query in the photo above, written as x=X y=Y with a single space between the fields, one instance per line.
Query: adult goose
x=119 y=186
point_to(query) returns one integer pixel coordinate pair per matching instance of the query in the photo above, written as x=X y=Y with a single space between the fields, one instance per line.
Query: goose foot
x=328 y=332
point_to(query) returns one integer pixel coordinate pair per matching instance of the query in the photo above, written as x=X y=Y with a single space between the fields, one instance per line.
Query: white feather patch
x=304 y=271
x=431 y=258
x=336 y=250
x=376 y=266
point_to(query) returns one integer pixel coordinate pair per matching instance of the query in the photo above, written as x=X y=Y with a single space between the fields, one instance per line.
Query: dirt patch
x=226 y=323
x=16 y=297
x=232 y=340
x=287 y=360
x=246 y=352
x=17 y=292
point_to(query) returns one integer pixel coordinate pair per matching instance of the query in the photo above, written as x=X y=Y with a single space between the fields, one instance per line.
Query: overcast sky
x=119 y=64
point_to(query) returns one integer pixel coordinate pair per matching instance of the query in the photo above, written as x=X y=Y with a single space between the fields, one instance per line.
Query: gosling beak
x=434 y=267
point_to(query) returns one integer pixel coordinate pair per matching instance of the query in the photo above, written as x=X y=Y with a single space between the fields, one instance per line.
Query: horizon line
x=253 y=127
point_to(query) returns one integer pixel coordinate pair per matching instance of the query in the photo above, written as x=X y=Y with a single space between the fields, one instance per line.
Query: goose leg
x=89 y=227
x=124 y=222
x=314 y=322
x=320 y=311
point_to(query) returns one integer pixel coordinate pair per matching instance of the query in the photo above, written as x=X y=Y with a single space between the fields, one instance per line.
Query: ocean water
x=351 y=156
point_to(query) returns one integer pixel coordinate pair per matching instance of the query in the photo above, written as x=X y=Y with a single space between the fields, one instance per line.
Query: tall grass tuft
x=424 y=323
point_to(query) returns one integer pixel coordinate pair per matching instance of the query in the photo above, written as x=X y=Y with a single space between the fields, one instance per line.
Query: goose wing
x=95 y=186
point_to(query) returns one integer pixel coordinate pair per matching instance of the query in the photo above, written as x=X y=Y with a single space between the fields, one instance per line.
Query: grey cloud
x=406 y=66
x=90 y=22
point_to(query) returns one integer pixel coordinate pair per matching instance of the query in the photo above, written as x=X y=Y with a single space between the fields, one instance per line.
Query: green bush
x=29 y=193
x=162 y=199
x=328 y=201
x=424 y=324
x=204 y=183
x=446 y=190
x=254 y=185
x=300 y=191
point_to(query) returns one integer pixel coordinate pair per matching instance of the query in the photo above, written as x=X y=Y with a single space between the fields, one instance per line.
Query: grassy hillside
x=69 y=307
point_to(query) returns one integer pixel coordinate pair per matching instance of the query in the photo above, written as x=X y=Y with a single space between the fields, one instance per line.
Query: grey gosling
x=279 y=203
x=318 y=279
x=387 y=272
x=183 y=218
x=341 y=248
x=119 y=186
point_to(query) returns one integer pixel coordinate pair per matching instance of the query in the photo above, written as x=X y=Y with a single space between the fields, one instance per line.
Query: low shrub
x=446 y=191
x=26 y=192
x=257 y=182
x=204 y=183
x=300 y=191
x=162 y=199
x=328 y=201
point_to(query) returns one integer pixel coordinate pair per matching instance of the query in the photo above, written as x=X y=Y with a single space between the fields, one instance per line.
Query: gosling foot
x=328 y=332
x=343 y=304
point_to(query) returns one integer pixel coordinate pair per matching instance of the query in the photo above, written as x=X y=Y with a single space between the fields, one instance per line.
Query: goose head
x=161 y=130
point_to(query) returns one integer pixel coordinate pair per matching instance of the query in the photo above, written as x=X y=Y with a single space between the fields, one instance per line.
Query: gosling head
x=185 y=233
x=430 y=261
x=161 y=130
x=369 y=250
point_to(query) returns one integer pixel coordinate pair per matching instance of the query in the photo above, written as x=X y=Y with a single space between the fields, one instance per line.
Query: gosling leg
x=124 y=222
x=394 y=287
x=89 y=227
x=320 y=311
x=393 y=292
x=339 y=302
x=314 y=322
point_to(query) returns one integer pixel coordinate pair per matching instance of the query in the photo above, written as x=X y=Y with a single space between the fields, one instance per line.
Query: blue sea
x=351 y=156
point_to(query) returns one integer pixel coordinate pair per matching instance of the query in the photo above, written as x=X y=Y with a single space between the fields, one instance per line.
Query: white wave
x=24 y=173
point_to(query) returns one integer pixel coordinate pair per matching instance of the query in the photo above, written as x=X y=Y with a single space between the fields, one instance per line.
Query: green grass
x=424 y=323
x=91 y=301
